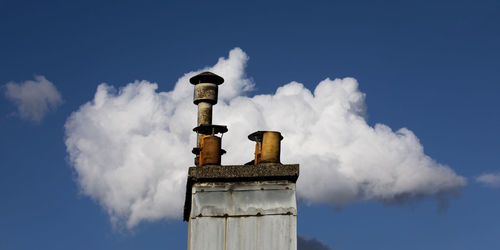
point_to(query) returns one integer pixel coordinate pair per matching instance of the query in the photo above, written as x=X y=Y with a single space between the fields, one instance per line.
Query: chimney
x=250 y=206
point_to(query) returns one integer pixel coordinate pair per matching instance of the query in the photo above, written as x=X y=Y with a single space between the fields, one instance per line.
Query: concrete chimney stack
x=244 y=207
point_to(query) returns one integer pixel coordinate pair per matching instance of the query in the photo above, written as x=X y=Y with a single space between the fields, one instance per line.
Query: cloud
x=490 y=180
x=131 y=147
x=33 y=98
x=304 y=243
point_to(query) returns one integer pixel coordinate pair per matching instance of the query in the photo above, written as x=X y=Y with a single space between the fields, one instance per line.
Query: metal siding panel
x=274 y=229
x=270 y=232
x=244 y=200
x=242 y=233
x=207 y=233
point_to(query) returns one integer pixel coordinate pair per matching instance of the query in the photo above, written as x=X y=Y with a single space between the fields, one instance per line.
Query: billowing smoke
x=131 y=147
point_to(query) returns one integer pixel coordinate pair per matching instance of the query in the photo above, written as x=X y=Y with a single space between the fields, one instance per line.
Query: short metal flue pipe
x=210 y=150
x=267 y=146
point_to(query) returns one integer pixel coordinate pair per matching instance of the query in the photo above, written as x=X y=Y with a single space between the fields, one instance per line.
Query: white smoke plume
x=33 y=98
x=131 y=147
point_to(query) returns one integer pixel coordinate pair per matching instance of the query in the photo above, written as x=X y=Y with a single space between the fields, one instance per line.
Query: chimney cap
x=209 y=129
x=206 y=77
x=257 y=136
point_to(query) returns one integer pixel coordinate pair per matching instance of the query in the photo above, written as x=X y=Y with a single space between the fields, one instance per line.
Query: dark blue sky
x=430 y=66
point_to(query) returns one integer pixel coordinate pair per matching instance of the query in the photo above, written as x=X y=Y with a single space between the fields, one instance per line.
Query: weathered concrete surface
x=270 y=171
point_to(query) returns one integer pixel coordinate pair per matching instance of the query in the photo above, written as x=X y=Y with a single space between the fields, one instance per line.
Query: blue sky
x=429 y=66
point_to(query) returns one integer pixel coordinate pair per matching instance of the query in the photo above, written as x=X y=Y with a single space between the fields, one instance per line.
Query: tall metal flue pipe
x=205 y=96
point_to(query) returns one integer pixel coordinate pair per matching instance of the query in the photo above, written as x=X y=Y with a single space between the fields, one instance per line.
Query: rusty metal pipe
x=271 y=146
x=267 y=147
x=210 y=150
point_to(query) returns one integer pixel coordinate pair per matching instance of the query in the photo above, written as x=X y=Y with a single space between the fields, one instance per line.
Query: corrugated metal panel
x=243 y=199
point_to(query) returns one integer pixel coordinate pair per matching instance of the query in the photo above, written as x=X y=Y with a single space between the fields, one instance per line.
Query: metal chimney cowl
x=251 y=206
